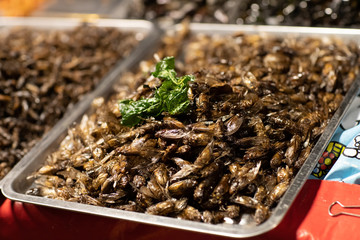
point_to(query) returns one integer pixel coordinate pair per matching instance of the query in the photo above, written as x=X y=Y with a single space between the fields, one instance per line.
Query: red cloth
x=307 y=219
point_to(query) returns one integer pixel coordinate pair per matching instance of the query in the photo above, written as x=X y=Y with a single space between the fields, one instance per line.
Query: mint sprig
x=170 y=97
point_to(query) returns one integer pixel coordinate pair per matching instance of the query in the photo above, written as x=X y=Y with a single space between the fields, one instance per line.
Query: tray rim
x=69 y=22
x=220 y=229
x=270 y=29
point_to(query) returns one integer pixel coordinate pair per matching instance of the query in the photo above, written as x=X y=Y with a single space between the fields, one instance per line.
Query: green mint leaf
x=175 y=98
x=170 y=97
x=168 y=63
x=130 y=116
x=133 y=112
x=165 y=69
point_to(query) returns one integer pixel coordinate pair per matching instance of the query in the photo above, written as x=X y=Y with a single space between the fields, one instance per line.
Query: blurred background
x=326 y=13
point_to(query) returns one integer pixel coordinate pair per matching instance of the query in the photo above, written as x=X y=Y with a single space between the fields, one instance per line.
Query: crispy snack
x=324 y=13
x=43 y=73
x=257 y=106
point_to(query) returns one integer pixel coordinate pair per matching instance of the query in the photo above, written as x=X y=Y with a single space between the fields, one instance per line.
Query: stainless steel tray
x=146 y=32
x=141 y=26
x=16 y=183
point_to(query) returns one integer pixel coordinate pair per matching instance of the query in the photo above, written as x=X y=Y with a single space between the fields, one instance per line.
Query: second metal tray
x=145 y=32
x=16 y=183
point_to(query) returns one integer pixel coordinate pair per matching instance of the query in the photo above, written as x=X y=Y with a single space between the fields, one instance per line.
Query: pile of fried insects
x=43 y=73
x=213 y=136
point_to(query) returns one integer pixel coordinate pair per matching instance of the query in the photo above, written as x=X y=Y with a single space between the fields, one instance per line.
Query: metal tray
x=146 y=32
x=16 y=183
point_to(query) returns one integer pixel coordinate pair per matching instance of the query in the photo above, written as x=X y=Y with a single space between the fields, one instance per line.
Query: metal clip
x=343 y=213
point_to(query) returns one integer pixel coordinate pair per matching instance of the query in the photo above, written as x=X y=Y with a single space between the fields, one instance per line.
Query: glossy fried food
x=258 y=106
x=44 y=73
x=320 y=13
